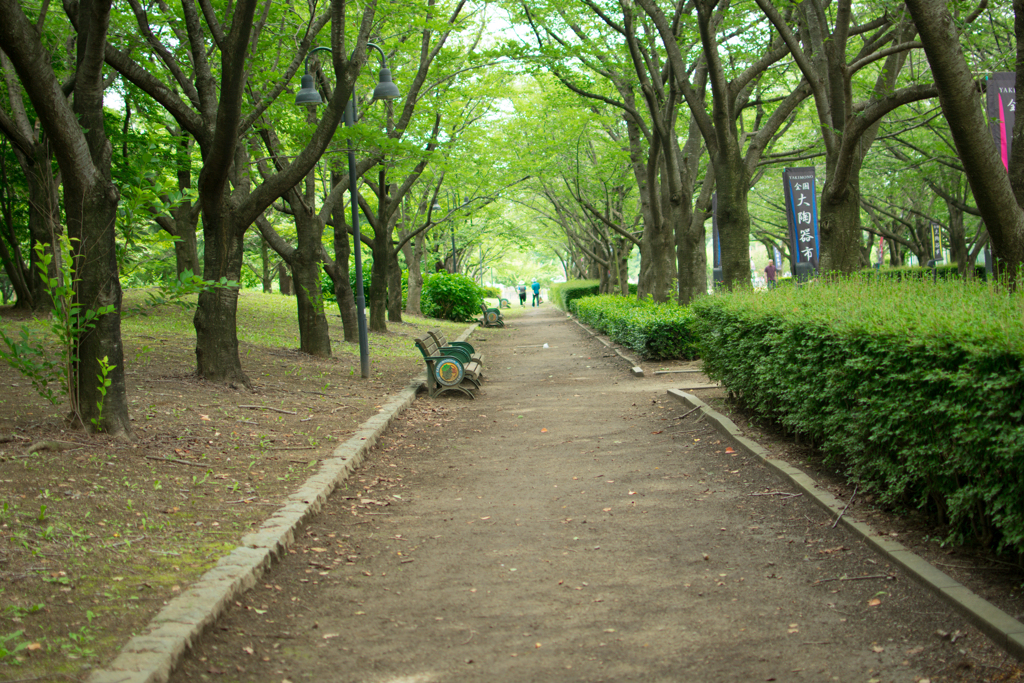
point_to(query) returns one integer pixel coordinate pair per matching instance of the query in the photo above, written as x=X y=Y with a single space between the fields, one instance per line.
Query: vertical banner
x=936 y=242
x=881 y=250
x=802 y=217
x=778 y=259
x=1001 y=106
x=716 y=243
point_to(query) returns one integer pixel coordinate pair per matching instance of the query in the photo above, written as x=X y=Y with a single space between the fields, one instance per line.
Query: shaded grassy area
x=96 y=534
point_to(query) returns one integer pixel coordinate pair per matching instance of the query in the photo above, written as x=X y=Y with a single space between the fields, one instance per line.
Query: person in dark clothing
x=522 y=294
x=769 y=273
x=536 y=293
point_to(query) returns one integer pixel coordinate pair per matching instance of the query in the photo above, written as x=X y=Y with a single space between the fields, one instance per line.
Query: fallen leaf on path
x=606 y=510
x=730 y=449
x=543 y=429
x=34 y=646
x=874 y=602
x=829 y=551
x=877 y=648
x=247 y=650
x=328 y=636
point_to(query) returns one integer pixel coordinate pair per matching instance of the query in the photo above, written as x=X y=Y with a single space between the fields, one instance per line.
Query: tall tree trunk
x=314 y=333
x=414 y=258
x=35 y=157
x=90 y=201
x=958 y=241
x=380 y=247
x=339 y=269
x=839 y=227
x=732 y=186
x=266 y=274
x=284 y=279
x=216 y=316
x=394 y=286
x=185 y=216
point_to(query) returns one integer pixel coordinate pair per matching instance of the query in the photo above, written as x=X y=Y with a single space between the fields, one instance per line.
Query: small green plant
x=104 y=384
x=157 y=485
x=75 y=646
x=12 y=644
x=17 y=612
x=42 y=517
x=59 y=578
x=69 y=321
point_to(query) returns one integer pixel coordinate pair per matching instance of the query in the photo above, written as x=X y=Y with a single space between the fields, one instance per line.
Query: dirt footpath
x=570 y=524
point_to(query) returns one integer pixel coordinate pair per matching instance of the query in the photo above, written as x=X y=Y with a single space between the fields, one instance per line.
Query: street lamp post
x=385 y=90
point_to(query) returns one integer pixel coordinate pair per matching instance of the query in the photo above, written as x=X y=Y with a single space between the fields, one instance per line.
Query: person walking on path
x=522 y=294
x=770 y=272
x=572 y=523
x=536 y=293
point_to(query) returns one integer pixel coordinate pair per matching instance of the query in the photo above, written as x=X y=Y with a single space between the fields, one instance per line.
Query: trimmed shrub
x=563 y=294
x=492 y=293
x=451 y=296
x=916 y=390
x=655 y=331
x=945 y=271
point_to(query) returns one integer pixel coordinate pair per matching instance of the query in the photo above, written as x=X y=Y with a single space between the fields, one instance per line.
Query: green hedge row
x=915 y=389
x=562 y=294
x=653 y=330
x=945 y=271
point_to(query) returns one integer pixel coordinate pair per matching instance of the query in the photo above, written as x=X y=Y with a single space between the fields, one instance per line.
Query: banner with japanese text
x=802 y=215
x=1001 y=106
x=778 y=259
x=936 y=242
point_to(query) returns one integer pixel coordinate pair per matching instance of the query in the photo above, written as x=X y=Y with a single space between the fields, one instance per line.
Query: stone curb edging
x=1003 y=629
x=151 y=656
x=635 y=365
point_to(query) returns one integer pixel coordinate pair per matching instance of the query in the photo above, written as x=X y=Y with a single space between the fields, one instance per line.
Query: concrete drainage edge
x=1006 y=631
x=635 y=369
x=151 y=656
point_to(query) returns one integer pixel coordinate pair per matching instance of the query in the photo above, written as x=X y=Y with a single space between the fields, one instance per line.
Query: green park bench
x=447 y=371
x=504 y=304
x=492 y=316
x=444 y=345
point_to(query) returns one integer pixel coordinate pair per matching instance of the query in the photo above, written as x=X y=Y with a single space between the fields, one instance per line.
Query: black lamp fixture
x=385 y=90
